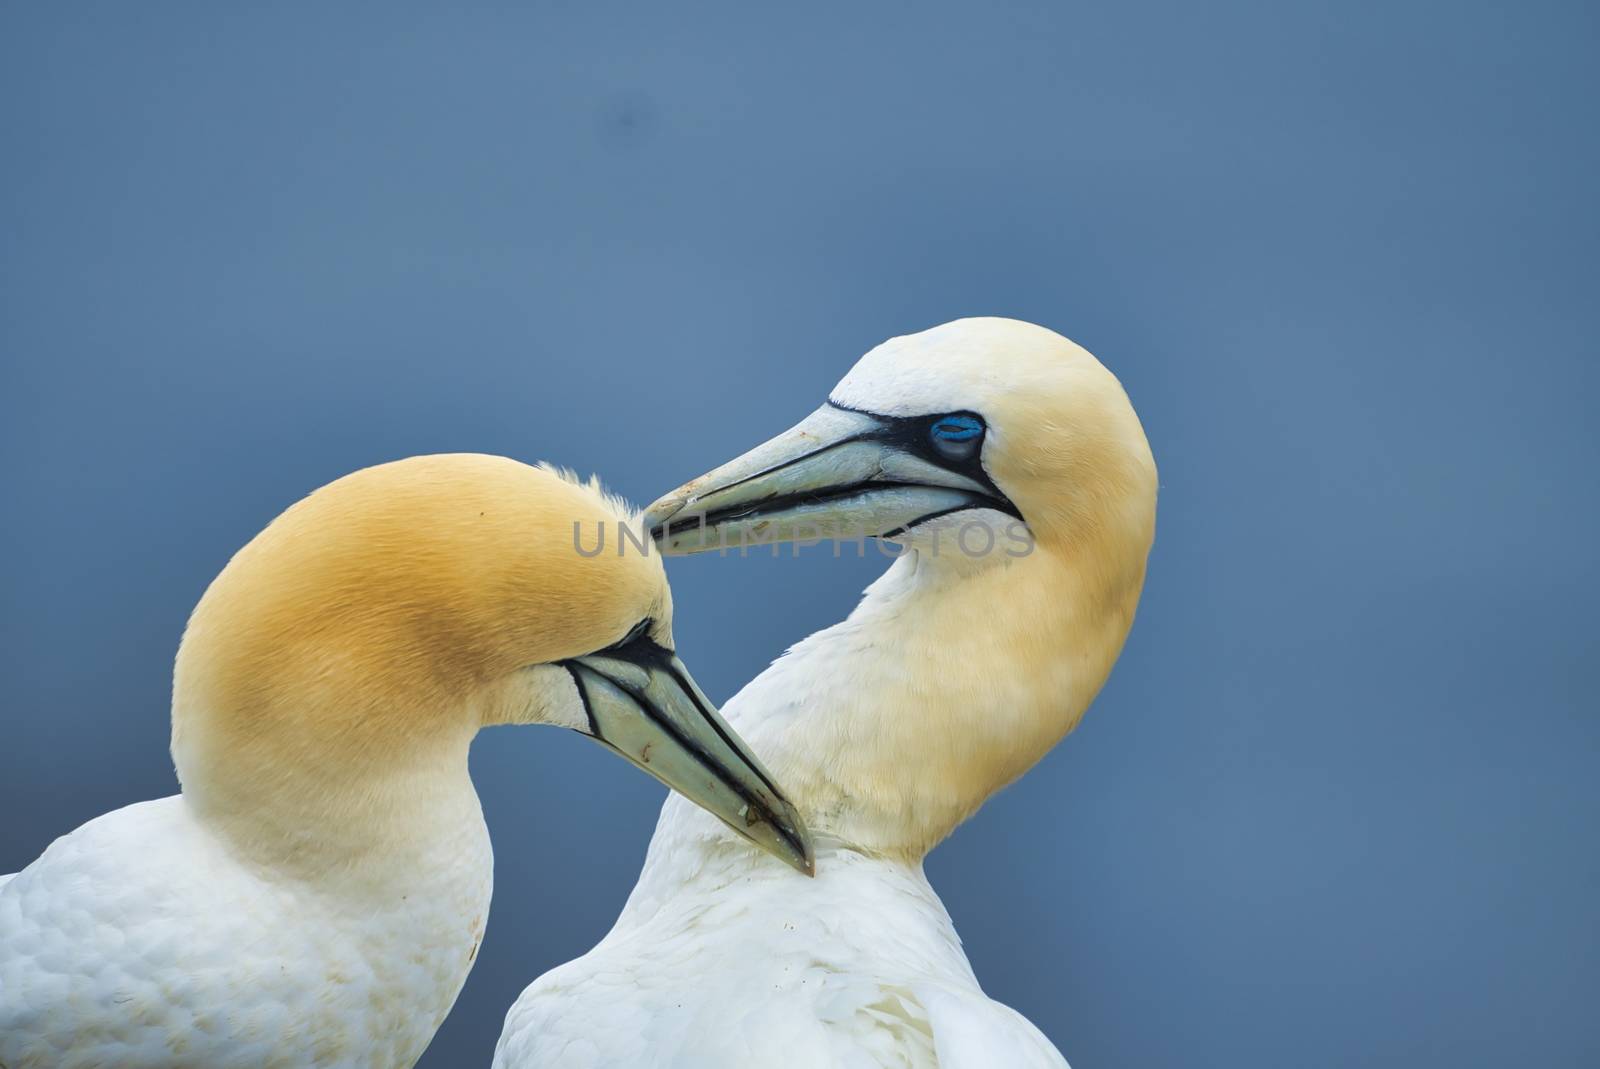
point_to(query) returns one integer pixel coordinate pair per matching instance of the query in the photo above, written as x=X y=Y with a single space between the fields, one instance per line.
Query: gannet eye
x=957 y=437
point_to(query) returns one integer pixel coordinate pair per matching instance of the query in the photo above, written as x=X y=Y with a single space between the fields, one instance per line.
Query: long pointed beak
x=838 y=475
x=642 y=702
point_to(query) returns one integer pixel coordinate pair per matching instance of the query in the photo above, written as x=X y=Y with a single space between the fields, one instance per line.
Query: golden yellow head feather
x=379 y=616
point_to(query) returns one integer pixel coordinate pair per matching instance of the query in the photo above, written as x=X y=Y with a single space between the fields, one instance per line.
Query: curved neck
x=949 y=680
x=313 y=794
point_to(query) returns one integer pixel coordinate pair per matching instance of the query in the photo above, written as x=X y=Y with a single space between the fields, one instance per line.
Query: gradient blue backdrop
x=1337 y=805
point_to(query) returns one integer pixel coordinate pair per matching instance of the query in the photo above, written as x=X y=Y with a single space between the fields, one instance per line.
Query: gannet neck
x=949 y=680
x=333 y=806
x=317 y=758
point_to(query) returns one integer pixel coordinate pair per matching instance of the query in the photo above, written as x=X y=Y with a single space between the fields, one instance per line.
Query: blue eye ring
x=957 y=428
x=956 y=437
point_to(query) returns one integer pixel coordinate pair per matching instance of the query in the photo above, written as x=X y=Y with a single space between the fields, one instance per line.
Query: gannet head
x=1013 y=466
x=980 y=420
x=376 y=625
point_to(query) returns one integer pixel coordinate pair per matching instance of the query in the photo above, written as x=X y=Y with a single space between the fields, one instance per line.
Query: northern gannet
x=1011 y=468
x=316 y=894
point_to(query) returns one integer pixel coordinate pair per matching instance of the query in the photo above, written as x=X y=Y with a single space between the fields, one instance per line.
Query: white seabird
x=1010 y=466
x=316 y=894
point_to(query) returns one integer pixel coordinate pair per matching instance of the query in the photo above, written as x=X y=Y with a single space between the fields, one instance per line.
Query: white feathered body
x=141 y=940
x=721 y=960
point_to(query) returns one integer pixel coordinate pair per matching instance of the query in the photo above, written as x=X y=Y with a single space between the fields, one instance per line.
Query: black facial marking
x=638 y=646
x=914 y=435
x=909 y=434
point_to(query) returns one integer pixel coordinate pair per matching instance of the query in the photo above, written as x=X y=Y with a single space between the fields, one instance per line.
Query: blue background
x=1337 y=805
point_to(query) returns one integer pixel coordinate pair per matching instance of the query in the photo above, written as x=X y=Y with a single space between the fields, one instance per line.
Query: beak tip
x=804 y=863
x=786 y=840
x=804 y=858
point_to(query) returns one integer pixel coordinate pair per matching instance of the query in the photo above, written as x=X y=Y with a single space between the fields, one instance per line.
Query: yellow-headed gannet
x=317 y=893
x=1009 y=465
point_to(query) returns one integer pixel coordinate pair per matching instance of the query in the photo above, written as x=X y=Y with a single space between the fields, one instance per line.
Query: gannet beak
x=642 y=703
x=839 y=474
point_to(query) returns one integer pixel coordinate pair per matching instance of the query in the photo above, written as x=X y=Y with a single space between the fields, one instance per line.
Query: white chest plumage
x=721 y=960
x=140 y=940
